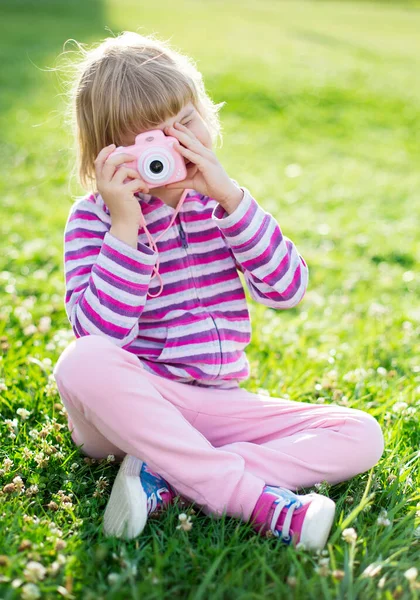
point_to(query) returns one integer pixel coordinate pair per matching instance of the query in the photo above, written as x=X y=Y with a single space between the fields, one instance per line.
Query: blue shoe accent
x=288 y=496
x=159 y=493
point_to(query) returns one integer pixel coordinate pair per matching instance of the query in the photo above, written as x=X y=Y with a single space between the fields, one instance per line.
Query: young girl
x=159 y=312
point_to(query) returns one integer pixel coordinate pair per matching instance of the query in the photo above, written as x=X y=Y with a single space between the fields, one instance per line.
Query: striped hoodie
x=197 y=330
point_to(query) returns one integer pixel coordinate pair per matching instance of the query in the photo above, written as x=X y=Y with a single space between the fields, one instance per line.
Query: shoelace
x=152 y=242
x=153 y=499
x=280 y=504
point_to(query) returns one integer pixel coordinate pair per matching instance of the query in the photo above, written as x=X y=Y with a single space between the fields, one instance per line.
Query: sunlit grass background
x=321 y=123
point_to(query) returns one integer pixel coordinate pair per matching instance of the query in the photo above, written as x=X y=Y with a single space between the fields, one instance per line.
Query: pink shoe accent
x=263 y=514
x=167 y=497
x=301 y=518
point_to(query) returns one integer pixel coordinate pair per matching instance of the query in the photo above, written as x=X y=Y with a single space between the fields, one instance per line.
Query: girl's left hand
x=207 y=176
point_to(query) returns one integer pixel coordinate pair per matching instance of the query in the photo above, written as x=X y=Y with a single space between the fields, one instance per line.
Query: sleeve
x=275 y=273
x=106 y=279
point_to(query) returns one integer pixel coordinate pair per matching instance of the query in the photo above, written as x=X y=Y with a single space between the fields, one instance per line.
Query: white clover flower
x=411 y=574
x=3 y=386
x=186 y=523
x=11 y=424
x=18 y=483
x=41 y=459
x=26 y=453
x=22 y=315
x=110 y=458
x=408 y=276
x=383 y=520
x=355 y=376
x=29 y=302
x=113 y=578
x=30 y=591
x=54 y=567
x=44 y=324
x=32 y=490
x=382 y=371
x=30 y=329
x=34 y=571
x=377 y=309
x=23 y=413
x=349 y=535
x=7 y=464
x=40 y=274
x=51 y=387
x=399 y=407
x=329 y=379
x=323 y=567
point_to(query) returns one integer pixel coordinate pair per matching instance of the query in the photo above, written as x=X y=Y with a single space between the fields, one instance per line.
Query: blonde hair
x=128 y=84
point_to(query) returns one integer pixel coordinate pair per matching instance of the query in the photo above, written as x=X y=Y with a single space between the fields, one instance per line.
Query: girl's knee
x=371 y=438
x=78 y=355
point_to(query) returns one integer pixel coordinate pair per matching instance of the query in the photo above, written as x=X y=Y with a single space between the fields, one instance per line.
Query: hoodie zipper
x=183 y=236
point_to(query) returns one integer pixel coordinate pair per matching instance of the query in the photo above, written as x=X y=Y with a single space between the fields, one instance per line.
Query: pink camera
x=157 y=162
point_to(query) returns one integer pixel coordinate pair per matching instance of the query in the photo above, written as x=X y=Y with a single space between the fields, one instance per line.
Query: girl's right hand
x=119 y=197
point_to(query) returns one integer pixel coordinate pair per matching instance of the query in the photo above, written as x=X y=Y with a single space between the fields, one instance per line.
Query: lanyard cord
x=152 y=242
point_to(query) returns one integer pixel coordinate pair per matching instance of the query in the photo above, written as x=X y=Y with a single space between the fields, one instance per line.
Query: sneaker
x=305 y=519
x=137 y=493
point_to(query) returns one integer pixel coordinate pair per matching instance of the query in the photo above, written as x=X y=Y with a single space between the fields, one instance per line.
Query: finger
x=191 y=143
x=136 y=185
x=111 y=163
x=123 y=172
x=185 y=130
x=102 y=156
x=192 y=156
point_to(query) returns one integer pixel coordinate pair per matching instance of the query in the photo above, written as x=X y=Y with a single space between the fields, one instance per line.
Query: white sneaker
x=137 y=492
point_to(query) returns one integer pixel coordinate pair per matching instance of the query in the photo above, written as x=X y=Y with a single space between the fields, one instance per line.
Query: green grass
x=332 y=87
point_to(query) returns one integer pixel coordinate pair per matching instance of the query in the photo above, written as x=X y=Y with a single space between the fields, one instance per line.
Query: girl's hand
x=118 y=185
x=207 y=176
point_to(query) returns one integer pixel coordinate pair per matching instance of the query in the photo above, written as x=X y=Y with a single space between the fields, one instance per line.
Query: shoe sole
x=318 y=522
x=126 y=512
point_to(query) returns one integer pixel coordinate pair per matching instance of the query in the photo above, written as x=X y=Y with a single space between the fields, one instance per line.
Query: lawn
x=321 y=124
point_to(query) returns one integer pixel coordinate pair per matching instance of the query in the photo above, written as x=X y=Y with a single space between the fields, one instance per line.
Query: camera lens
x=156 y=167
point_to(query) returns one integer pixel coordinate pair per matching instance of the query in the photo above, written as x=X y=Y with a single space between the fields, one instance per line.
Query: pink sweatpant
x=217 y=448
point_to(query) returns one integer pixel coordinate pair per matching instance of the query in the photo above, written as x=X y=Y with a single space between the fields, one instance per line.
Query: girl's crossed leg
x=216 y=447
